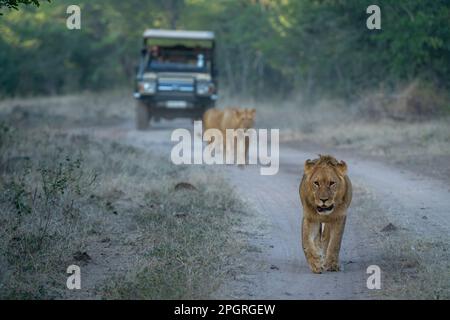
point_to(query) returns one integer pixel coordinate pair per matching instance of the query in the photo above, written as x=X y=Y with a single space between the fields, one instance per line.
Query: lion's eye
x=332 y=183
x=316 y=183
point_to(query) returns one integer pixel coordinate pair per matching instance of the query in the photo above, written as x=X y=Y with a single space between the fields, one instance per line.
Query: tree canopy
x=14 y=4
x=264 y=46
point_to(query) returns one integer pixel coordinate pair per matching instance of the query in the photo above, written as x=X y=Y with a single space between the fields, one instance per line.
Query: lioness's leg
x=247 y=143
x=336 y=231
x=310 y=233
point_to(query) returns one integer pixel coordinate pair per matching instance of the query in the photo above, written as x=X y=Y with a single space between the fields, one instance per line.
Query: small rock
x=82 y=256
x=184 y=186
x=180 y=214
x=424 y=217
x=274 y=267
x=389 y=227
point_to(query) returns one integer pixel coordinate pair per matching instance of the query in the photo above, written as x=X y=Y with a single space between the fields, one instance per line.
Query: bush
x=415 y=101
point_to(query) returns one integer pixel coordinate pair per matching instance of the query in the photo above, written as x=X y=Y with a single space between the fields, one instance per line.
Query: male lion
x=325 y=193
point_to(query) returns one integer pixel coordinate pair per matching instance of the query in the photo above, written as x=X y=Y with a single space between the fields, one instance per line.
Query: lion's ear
x=253 y=112
x=309 y=164
x=342 y=167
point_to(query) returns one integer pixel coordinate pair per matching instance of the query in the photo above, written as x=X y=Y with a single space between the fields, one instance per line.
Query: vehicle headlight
x=204 y=88
x=147 y=87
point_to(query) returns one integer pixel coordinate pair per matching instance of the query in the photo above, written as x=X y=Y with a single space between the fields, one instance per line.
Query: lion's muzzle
x=325 y=210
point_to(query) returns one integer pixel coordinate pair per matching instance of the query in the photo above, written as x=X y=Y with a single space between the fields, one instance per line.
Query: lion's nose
x=324 y=200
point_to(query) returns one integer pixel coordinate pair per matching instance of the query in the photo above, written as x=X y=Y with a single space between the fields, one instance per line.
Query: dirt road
x=389 y=196
x=275 y=267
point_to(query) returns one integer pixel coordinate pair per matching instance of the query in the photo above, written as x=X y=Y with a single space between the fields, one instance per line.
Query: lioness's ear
x=342 y=167
x=309 y=164
x=252 y=112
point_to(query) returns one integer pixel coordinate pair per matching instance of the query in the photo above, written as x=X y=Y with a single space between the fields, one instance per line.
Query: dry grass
x=419 y=270
x=190 y=248
x=45 y=211
x=110 y=208
x=387 y=137
x=413 y=267
x=414 y=142
x=414 y=101
x=88 y=109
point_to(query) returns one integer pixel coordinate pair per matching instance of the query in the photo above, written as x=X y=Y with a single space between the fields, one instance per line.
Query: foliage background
x=315 y=47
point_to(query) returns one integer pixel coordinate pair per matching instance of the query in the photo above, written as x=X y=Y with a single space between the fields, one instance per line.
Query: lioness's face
x=246 y=117
x=324 y=184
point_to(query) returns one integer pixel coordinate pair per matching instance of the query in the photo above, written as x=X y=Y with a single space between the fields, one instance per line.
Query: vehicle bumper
x=176 y=100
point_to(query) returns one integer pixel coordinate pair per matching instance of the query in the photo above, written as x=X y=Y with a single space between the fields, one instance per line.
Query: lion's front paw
x=331 y=266
x=315 y=265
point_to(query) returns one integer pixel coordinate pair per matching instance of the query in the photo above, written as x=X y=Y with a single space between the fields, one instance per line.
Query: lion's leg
x=228 y=153
x=336 y=231
x=209 y=140
x=325 y=237
x=310 y=233
x=247 y=143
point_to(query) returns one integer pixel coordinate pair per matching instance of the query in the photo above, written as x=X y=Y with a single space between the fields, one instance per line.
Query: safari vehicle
x=176 y=76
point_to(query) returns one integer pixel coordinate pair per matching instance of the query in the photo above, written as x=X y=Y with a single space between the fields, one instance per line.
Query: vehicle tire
x=143 y=115
x=198 y=116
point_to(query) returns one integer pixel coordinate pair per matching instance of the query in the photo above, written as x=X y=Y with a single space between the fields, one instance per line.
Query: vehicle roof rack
x=178 y=34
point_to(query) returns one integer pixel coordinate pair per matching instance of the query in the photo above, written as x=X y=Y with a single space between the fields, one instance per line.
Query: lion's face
x=326 y=183
x=245 y=117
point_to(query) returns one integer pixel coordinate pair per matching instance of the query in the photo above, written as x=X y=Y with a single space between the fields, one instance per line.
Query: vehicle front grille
x=175 y=86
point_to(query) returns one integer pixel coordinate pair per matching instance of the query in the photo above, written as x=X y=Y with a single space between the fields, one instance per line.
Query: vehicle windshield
x=179 y=58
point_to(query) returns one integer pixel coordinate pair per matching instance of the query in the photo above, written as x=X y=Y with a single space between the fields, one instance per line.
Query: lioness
x=325 y=194
x=229 y=118
x=212 y=119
